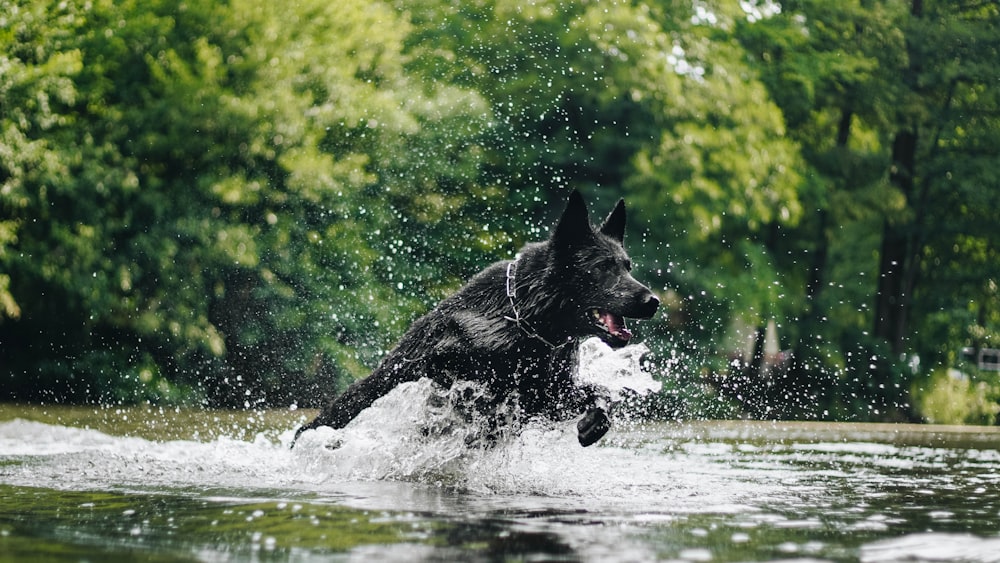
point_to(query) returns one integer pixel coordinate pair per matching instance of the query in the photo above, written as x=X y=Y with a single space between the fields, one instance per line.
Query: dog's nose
x=648 y=304
x=652 y=303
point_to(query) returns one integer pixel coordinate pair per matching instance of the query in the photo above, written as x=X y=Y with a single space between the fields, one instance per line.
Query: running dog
x=515 y=328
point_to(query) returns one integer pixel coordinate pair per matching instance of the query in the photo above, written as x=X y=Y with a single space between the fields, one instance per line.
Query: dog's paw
x=593 y=426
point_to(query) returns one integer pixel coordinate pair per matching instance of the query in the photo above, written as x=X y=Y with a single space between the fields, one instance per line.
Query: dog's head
x=592 y=267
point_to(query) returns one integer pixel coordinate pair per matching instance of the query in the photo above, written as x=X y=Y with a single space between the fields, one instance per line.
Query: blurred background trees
x=245 y=204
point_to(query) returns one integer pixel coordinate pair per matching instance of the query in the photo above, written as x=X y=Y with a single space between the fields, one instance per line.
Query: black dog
x=516 y=326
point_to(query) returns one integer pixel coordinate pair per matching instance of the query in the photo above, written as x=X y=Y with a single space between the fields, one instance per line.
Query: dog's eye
x=628 y=265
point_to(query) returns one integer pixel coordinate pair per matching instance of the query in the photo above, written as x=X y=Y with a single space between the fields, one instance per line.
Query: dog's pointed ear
x=574 y=224
x=614 y=225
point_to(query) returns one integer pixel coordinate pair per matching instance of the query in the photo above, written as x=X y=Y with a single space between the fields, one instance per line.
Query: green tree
x=645 y=101
x=943 y=149
x=622 y=97
x=203 y=201
x=891 y=103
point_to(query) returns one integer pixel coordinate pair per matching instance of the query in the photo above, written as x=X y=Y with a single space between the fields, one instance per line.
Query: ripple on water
x=931 y=547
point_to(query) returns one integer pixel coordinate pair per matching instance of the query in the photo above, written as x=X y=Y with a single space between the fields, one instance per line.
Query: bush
x=953 y=397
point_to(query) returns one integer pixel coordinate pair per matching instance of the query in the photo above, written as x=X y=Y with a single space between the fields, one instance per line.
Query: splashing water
x=414 y=434
x=419 y=432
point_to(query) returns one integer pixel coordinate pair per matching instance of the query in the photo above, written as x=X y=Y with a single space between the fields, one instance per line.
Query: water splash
x=420 y=432
x=417 y=433
x=616 y=369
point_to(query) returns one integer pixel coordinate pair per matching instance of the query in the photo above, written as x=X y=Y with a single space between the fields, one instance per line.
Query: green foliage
x=954 y=398
x=856 y=81
x=246 y=203
x=184 y=196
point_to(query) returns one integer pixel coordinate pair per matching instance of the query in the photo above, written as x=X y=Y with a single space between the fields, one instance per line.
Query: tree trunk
x=892 y=297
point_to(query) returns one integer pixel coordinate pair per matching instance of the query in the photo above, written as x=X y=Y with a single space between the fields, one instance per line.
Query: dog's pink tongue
x=616 y=326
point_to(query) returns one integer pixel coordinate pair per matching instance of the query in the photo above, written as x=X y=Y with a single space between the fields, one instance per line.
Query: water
x=85 y=484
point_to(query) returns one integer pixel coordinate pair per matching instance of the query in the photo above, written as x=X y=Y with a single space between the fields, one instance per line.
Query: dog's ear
x=574 y=225
x=614 y=225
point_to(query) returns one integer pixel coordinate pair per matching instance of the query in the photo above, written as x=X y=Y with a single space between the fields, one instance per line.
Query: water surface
x=107 y=484
x=402 y=482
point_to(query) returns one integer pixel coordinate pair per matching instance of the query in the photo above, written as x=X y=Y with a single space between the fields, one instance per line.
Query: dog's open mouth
x=613 y=324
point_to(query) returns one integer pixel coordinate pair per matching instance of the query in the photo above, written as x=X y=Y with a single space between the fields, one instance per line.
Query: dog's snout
x=650 y=303
x=642 y=302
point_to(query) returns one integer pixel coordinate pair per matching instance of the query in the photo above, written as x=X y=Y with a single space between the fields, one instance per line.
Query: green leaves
x=251 y=201
x=166 y=205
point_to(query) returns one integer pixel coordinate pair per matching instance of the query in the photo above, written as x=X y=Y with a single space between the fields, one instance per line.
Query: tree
x=946 y=122
x=652 y=102
x=182 y=212
x=884 y=98
x=623 y=98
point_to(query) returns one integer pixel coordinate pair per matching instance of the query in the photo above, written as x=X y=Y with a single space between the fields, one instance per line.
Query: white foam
x=616 y=369
x=23 y=437
x=414 y=433
x=933 y=547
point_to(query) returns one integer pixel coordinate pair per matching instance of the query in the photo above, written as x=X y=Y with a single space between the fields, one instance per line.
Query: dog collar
x=516 y=319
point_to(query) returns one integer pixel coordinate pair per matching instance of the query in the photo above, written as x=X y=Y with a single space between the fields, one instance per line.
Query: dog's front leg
x=571 y=398
x=595 y=422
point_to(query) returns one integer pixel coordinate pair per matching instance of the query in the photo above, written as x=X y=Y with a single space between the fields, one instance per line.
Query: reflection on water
x=84 y=488
x=85 y=524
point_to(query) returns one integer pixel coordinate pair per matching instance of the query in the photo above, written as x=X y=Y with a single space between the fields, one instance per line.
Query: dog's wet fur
x=515 y=328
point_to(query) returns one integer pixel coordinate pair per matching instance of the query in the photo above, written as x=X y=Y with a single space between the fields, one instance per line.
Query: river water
x=108 y=484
